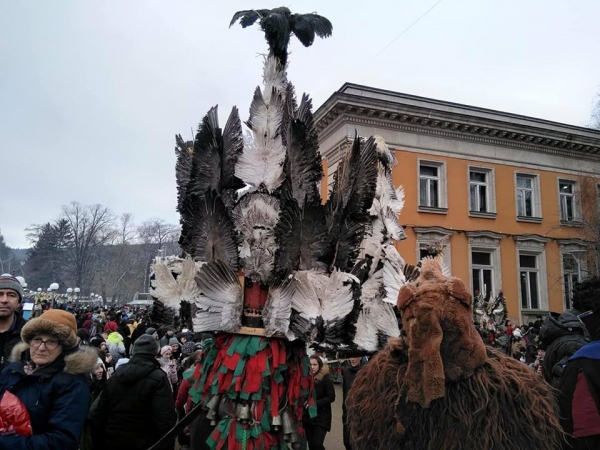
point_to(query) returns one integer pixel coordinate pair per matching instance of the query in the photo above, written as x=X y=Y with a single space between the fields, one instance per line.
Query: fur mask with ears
x=443 y=345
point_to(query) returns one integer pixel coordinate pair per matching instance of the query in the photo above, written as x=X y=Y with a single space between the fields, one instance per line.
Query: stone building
x=514 y=198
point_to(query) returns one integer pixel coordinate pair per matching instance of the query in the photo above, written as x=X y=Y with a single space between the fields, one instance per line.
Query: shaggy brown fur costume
x=444 y=389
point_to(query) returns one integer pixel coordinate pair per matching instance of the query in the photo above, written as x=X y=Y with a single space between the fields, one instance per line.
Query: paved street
x=335 y=439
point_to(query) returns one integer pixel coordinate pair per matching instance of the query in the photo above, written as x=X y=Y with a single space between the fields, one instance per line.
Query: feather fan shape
x=301 y=238
x=366 y=331
x=278 y=308
x=221 y=301
x=351 y=199
x=171 y=291
x=184 y=152
x=393 y=274
x=303 y=163
x=255 y=217
x=261 y=165
x=213 y=232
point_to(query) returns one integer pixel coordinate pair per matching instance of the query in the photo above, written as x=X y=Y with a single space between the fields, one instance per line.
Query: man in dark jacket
x=11 y=322
x=347 y=379
x=561 y=336
x=136 y=407
x=579 y=398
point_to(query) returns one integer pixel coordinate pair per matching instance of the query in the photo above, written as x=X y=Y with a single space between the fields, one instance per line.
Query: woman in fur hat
x=48 y=375
x=317 y=427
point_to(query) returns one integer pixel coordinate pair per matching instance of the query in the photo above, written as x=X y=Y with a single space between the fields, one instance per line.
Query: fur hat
x=53 y=322
x=9 y=282
x=145 y=345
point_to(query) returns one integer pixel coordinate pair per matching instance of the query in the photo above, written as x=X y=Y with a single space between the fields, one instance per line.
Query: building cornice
x=564 y=140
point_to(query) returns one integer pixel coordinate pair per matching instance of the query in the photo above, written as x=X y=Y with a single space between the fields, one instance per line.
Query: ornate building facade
x=514 y=199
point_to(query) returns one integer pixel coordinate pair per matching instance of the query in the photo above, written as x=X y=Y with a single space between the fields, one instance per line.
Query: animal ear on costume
x=424 y=378
x=406 y=294
x=457 y=289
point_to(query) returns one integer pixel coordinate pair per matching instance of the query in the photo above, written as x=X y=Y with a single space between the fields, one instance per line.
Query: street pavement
x=335 y=438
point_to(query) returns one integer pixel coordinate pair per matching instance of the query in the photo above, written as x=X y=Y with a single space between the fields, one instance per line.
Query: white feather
x=275 y=80
x=372 y=288
x=222 y=295
x=278 y=309
x=384 y=151
x=305 y=299
x=337 y=299
x=366 y=331
x=393 y=275
x=170 y=291
x=385 y=319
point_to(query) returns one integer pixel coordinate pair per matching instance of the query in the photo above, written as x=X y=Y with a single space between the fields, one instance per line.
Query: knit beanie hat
x=145 y=345
x=7 y=281
x=165 y=349
x=150 y=331
x=53 y=322
x=174 y=340
x=110 y=326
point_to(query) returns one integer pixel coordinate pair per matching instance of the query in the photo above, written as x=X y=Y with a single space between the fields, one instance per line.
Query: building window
x=482 y=198
x=571 y=275
x=433 y=240
x=528 y=197
x=567 y=191
x=529 y=279
x=432 y=186
x=482 y=273
x=429 y=184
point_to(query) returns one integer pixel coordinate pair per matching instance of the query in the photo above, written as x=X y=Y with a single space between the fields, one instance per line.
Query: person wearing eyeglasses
x=579 y=397
x=48 y=376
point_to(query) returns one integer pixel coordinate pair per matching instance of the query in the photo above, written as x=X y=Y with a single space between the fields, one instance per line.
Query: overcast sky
x=93 y=92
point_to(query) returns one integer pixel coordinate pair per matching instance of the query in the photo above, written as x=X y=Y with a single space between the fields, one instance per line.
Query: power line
x=406 y=29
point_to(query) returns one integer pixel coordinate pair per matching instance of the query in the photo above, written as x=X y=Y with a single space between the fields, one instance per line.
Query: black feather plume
x=213 y=234
x=184 y=152
x=303 y=161
x=301 y=236
x=278 y=24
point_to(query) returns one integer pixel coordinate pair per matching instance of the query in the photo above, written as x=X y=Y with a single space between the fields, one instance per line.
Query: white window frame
x=578 y=250
x=442 y=207
x=533 y=245
x=490 y=191
x=486 y=242
x=536 y=201
x=575 y=196
x=427 y=236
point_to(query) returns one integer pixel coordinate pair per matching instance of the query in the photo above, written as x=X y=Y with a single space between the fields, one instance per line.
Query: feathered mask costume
x=266 y=264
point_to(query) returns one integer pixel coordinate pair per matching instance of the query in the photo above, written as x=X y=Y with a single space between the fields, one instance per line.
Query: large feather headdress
x=269 y=256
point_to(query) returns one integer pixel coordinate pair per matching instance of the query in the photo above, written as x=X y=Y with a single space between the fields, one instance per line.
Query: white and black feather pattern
x=274 y=80
x=337 y=297
x=308 y=285
x=172 y=291
x=221 y=300
x=385 y=319
x=261 y=165
x=183 y=167
x=278 y=308
x=255 y=217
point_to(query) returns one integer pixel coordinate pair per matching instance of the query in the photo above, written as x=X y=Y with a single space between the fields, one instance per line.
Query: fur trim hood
x=40 y=325
x=81 y=361
x=321 y=373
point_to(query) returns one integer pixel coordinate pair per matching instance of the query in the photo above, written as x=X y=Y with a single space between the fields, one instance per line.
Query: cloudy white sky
x=93 y=92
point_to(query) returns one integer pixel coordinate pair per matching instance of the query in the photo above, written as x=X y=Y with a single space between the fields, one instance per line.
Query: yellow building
x=514 y=198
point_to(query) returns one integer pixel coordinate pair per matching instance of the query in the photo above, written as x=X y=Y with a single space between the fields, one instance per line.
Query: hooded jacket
x=562 y=335
x=57 y=398
x=325 y=396
x=9 y=339
x=136 y=407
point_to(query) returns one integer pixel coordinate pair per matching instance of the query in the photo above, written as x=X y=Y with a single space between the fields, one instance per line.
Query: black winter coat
x=136 y=407
x=325 y=396
x=561 y=335
x=348 y=376
x=9 y=339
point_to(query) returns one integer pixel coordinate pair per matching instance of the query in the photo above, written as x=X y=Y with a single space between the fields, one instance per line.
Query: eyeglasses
x=51 y=344
x=585 y=314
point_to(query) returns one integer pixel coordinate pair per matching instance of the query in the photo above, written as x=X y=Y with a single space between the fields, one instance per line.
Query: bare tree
x=92 y=227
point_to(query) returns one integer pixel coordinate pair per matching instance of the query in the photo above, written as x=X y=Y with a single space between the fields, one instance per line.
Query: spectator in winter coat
x=561 y=336
x=48 y=376
x=170 y=332
x=87 y=323
x=580 y=383
x=187 y=345
x=110 y=326
x=115 y=346
x=11 y=322
x=169 y=366
x=317 y=427
x=347 y=379
x=136 y=407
